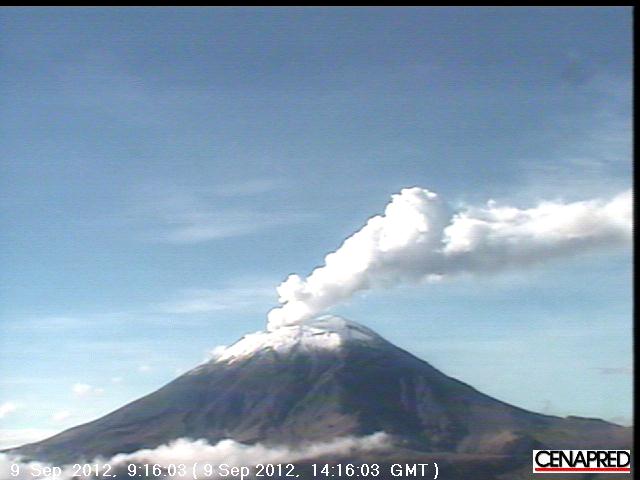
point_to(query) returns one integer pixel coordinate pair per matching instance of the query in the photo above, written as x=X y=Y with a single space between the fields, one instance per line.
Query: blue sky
x=163 y=170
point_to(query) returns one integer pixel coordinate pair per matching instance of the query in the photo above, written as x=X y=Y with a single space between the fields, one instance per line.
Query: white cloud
x=60 y=416
x=494 y=237
x=190 y=452
x=234 y=453
x=7 y=408
x=81 y=389
x=419 y=237
x=195 y=227
x=85 y=390
x=144 y=368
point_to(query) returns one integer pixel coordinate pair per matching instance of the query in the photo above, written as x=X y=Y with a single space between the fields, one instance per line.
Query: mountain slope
x=325 y=379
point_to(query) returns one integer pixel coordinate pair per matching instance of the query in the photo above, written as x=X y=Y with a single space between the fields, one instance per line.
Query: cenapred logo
x=581 y=461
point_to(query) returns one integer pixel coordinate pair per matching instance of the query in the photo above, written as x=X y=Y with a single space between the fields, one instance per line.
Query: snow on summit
x=327 y=332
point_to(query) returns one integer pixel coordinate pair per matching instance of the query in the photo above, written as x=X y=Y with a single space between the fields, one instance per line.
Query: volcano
x=320 y=380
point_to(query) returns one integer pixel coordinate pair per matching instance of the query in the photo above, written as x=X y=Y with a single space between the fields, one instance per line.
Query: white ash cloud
x=420 y=237
x=230 y=452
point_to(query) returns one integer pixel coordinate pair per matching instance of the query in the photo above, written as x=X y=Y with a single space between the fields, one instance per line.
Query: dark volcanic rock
x=326 y=379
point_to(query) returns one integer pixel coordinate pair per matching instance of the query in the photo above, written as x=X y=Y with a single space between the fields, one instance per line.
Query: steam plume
x=419 y=237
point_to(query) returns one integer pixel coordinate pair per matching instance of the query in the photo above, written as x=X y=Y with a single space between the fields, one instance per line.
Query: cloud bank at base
x=420 y=237
x=230 y=452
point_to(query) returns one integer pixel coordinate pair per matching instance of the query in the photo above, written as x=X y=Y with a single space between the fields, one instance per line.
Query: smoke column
x=419 y=237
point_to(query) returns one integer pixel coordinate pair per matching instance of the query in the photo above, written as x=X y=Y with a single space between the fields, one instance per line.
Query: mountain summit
x=324 y=333
x=317 y=381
